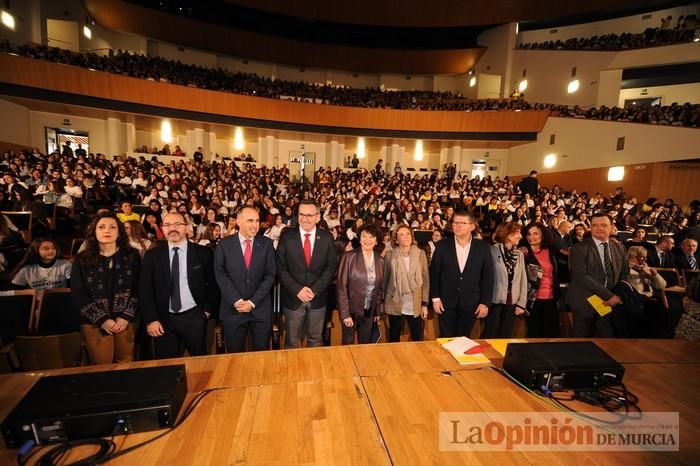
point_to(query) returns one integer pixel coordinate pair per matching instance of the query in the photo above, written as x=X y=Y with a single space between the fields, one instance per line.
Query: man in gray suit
x=597 y=265
x=245 y=271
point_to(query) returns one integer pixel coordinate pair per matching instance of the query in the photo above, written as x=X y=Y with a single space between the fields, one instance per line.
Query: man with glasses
x=461 y=278
x=306 y=262
x=178 y=292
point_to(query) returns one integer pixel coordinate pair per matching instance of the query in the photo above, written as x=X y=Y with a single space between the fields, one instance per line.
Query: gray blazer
x=588 y=273
x=500 y=278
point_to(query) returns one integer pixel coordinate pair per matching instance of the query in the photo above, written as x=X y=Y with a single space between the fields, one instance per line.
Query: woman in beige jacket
x=406 y=286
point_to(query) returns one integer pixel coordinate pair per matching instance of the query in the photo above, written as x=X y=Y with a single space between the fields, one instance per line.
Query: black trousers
x=543 y=321
x=456 y=322
x=362 y=327
x=415 y=325
x=186 y=330
x=500 y=321
x=236 y=333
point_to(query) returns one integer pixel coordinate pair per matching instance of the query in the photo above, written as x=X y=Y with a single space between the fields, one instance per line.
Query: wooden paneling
x=6 y=146
x=678 y=181
x=74 y=80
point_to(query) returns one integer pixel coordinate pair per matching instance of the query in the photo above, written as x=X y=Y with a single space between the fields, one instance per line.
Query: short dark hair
x=312 y=202
x=601 y=214
x=371 y=229
x=465 y=213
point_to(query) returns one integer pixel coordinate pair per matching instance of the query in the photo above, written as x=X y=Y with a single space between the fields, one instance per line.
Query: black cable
x=107 y=448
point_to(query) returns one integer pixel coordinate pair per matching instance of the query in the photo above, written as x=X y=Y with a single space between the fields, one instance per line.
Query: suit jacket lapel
x=165 y=254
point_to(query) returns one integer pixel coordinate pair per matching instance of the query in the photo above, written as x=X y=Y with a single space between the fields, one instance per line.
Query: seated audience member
x=688 y=258
x=510 y=282
x=127 y=213
x=688 y=327
x=638 y=239
x=42 y=267
x=661 y=255
x=151 y=226
x=643 y=279
x=137 y=237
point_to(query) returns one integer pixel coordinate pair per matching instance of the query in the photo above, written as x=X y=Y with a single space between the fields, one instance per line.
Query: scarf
x=405 y=281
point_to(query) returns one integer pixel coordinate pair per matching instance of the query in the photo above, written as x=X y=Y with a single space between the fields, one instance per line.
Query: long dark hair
x=91 y=253
x=32 y=257
x=546 y=239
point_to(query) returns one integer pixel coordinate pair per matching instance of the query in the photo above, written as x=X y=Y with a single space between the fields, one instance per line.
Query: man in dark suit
x=562 y=246
x=461 y=278
x=245 y=271
x=178 y=292
x=688 y=258
x=306 y=261
x=661 y=255
x=530 y=185
x=597 y=265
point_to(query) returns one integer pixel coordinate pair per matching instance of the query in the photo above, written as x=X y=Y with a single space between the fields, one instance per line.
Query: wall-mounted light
x=418 y=153
x=472 y=81
x=8 y=20
x=361 y=150
x=573 y=86
x=550 y=160
x=523 y=85
x=166 y=132
x=616 y=173
x=87 y=32
x=238 y=141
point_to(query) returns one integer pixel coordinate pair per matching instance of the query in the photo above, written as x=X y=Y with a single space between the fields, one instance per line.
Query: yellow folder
x=597 y=303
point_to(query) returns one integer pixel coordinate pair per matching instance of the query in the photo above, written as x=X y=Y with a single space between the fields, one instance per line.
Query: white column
x=130 y=135
x=210 y=147
x=267 y=152
x=197 y=140
x=115 y=144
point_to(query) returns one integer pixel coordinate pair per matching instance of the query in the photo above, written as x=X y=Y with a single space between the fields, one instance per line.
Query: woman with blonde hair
x=406 y=286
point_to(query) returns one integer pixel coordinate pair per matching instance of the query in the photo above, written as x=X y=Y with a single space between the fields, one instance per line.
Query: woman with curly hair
x=104 y=285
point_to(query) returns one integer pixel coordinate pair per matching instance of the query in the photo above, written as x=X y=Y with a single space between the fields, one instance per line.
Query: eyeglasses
x=642 y=258
x=307 y=215
x=174 y=225
x=462 y=223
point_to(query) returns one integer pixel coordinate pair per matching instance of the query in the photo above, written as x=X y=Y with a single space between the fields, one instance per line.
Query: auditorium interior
x=523 y=116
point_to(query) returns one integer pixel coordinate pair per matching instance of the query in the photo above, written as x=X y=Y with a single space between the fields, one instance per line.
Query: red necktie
x=247 y=254
x=307 y=249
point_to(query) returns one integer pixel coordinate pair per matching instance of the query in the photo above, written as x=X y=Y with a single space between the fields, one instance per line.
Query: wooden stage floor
x=379 y=404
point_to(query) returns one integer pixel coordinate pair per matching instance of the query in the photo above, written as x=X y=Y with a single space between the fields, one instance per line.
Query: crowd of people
x=175 y=72
x=684 y=31
x=398 y=243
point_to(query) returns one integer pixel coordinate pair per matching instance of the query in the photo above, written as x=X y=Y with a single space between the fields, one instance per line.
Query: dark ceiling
x=388 y=36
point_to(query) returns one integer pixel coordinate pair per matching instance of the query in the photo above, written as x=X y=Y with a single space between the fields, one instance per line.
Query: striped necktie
x=607 y=263
x=693 y=262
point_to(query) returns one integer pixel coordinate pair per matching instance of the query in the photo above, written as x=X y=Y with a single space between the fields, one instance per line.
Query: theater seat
x=50 y=351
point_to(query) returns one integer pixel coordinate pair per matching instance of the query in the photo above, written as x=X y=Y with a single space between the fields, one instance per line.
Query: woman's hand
x=108 y=326
x=120 y=325
x=424 y=312
x=348 y=322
